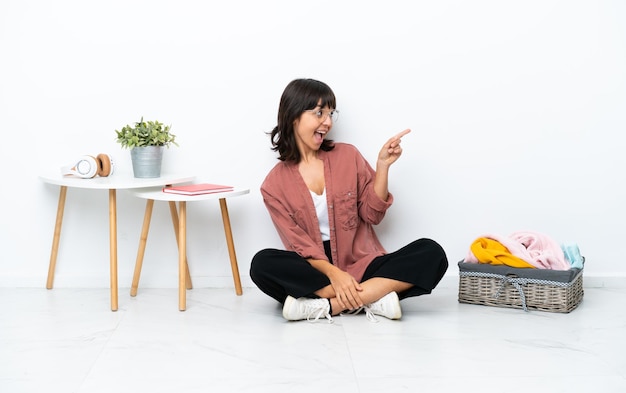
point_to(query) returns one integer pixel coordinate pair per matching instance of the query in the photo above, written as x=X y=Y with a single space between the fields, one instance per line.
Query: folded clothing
x=572 y=255
x=534 y=248
x=491 y=251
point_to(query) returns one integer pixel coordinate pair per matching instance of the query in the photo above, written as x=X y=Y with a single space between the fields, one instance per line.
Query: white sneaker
x=305 y=308
x=387 y=306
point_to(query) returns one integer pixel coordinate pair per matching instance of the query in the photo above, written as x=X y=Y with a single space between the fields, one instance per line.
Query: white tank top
x=321 y=208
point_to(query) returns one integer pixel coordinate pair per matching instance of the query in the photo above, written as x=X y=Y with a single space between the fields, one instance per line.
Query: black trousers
x=279 y=273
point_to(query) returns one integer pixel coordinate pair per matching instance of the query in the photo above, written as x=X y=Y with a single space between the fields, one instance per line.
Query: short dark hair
x=299 y=95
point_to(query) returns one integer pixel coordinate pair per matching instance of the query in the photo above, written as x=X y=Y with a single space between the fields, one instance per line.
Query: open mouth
x=319 y=135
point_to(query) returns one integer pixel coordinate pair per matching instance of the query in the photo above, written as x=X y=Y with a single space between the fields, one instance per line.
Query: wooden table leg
x=113 y=246
x=56 y=237
x=182 y=252
x=143 y=239
x=175 y=224
x=231 y=246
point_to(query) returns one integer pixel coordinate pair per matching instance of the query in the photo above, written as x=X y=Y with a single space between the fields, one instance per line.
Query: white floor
x=68 y=340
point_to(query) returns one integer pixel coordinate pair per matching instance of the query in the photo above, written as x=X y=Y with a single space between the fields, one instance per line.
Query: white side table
x=111 y=183
x=184 y=279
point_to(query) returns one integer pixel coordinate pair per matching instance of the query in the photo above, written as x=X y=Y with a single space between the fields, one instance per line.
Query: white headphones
x=87 y=167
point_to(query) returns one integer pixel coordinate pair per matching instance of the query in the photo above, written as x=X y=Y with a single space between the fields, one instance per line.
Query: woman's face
x=311 y=128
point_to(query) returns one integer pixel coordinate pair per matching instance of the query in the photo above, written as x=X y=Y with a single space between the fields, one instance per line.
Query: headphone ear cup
x=85 y=167
x=105 y=165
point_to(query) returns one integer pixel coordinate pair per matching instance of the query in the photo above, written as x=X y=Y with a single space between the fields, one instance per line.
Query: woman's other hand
x=391 y=150
x=346 y=290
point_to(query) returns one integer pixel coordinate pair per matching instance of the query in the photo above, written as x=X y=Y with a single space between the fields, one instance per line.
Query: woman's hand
x=391 y=150
x=346 y=289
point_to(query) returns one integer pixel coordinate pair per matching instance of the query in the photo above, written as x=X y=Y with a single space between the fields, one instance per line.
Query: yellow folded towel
x=491 y=251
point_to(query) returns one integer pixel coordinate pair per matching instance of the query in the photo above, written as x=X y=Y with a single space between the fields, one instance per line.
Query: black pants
x=279 y=273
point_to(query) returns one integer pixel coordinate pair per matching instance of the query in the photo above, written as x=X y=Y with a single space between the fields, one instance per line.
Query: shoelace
x=319 y=308
x=368 y=313
x=320 y=312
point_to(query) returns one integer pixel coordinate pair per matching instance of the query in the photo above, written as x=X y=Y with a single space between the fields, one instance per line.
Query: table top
x=116 y=180
x=157 y=194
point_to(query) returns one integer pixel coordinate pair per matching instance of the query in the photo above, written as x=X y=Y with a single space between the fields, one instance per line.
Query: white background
x=517 y=112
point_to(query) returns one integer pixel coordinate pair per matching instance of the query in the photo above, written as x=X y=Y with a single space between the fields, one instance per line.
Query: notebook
x=197 y=189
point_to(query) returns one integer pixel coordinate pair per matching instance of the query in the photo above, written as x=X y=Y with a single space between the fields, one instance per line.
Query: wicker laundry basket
x=528 y=289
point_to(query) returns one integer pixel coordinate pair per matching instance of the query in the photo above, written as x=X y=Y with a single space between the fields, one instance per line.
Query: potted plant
x=146 y=140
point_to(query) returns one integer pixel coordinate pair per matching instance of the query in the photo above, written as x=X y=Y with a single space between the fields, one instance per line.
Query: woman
x=324 y=199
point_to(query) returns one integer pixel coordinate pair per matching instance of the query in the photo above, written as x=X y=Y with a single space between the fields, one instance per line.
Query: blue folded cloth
x=572 y=254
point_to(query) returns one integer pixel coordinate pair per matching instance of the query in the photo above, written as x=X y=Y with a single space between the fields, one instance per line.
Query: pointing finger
x=401 y=134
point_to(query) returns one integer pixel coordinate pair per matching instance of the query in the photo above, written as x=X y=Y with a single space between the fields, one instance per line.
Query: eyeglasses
x=323 y=114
